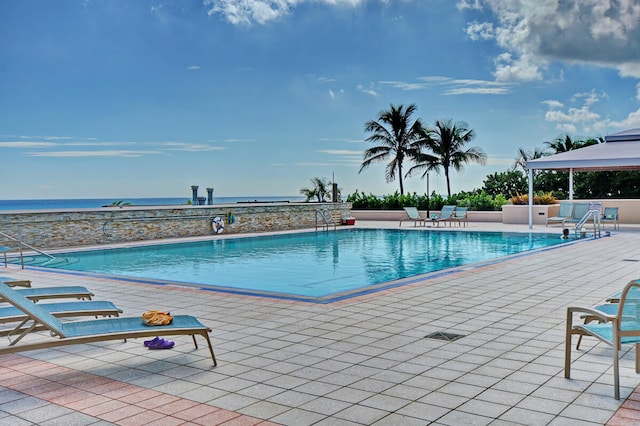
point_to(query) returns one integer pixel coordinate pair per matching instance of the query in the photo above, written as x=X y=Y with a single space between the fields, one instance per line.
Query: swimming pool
x=314 y=266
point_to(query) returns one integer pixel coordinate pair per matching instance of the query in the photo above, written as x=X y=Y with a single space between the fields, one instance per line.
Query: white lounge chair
x=445 y=215
x=460 y=216
x=414 y=215
x=565 y=212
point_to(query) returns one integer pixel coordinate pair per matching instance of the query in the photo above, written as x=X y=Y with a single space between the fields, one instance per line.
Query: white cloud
x=246 y=12
x=631 y=121
x=577 y=118
x=404 y=85
x=469 y=4
x=480 y=31
x=114 y=153
x=193 y=67
x=368 y=90
x=238 y=140
x=452 y=86
x=191 y=147
x=333 y=94
x=26 y=144
x=340 y=152
x=553 y=104
x=530 y=34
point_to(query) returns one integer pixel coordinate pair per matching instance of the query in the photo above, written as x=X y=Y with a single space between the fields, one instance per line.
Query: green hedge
x=478 y=200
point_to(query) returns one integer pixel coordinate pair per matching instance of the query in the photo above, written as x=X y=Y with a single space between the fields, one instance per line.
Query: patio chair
x=610 y=215
x=12 y=282
x=565 y=212
x=579 y=210
x=617 y=329
x=414 y=215
x=62 y=292
x=97 y=330
x=460 y=216
x=445 y=215
x=9 y=314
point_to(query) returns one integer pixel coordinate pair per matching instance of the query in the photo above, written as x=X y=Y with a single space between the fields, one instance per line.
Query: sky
x=121 y=98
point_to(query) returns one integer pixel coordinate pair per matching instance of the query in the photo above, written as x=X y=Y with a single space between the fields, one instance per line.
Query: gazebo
x=620 y=151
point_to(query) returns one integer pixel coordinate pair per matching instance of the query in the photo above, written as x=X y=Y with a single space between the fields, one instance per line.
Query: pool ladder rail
x=593 y=214
x=9 y=245
x=324 y=219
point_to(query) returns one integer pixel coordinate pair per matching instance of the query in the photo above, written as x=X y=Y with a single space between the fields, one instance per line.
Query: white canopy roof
x=621 y=151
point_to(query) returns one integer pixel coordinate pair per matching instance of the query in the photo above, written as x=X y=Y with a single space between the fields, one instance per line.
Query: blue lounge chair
x=12 y=282
x=617 y=329
x=565 y=212
x=445 y=215
x=460 y=216
x=10 y=314
x=579 y=211
x=63 y=292
x=610 y=215
x=97 y=330
x=414 y=215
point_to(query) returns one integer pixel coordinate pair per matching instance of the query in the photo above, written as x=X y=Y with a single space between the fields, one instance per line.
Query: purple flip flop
x=152 y=341
x=161 y=344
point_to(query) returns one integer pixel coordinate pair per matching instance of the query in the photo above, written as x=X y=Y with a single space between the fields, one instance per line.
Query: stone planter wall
x=46 y=229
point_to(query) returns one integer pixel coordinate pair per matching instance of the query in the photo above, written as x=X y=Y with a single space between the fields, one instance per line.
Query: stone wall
x=47 y=229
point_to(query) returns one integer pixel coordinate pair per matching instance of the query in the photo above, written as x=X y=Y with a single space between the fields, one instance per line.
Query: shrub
x=540 y=198
x=482 y=201
x=478 y=200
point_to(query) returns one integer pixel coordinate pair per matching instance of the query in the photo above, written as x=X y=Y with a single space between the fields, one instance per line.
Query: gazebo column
x=571 y=184
x=530 y=198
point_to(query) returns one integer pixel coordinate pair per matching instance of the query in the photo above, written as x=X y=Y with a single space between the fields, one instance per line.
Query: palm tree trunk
x=446 y=174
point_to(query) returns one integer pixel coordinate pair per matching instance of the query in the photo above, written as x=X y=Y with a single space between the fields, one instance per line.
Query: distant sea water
x=82 y=203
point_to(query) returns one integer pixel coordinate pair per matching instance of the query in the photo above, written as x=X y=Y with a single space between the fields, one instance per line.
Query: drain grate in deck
x=443 y=335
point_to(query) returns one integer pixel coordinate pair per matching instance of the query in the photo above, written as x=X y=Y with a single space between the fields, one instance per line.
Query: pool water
x=309 y=264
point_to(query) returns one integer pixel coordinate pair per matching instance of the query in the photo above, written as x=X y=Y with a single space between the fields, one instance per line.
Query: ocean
x=82 y=203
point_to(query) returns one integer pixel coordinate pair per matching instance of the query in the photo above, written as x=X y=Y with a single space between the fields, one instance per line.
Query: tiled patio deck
x=360 y=361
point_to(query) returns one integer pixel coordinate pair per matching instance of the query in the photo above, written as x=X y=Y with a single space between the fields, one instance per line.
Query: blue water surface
x=83 y=203
x=313 y=264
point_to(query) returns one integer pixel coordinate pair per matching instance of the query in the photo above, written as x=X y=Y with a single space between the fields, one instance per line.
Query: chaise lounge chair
x=610 y=215
x=9 y=314
x=460 y=216
x=12 y=282
x=97 y=330
x=414 y=215
x=565 y=212
x=63 y=292
x=617 y=329
x=579 y=211
x=445 y=215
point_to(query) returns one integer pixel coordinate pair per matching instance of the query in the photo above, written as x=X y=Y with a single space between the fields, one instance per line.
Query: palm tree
x=564 y=144
x=319 y=190
x=398 y=139
x=446 y=142
x=523 y=156
x=561 y=144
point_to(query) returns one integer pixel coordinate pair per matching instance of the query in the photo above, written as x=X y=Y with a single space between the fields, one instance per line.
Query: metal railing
x=324 y=216
x=16 y=244
x=591 y=214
